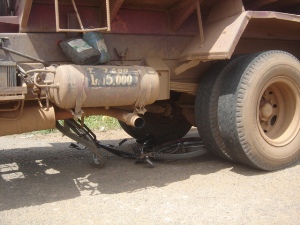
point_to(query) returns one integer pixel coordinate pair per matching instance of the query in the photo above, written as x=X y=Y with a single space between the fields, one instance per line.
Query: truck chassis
x=229 y=67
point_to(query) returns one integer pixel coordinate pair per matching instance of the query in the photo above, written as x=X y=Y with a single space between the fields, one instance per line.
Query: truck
x=228 y=67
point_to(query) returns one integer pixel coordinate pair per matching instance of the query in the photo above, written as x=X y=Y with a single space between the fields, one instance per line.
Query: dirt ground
x=43 y=181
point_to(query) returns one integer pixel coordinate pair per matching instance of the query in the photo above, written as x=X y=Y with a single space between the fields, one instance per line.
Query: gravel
x=43 y=181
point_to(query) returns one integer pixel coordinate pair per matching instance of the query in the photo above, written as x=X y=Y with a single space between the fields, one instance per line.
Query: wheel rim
x=278 y=111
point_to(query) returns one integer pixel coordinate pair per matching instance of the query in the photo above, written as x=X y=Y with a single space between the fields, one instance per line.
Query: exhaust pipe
x=131 y=119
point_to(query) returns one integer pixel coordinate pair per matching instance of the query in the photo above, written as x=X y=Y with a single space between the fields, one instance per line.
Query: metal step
x=12 y=93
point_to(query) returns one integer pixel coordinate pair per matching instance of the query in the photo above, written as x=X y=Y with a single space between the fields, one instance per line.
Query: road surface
x=43 y=181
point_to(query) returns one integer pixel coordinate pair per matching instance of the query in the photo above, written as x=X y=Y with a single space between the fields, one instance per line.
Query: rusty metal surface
x=151 y=22
x=224 y=9
x=9 y=24
x=38 y=15
x=144 y=28
x=146 y=46
x=43 y=46
x=223 y=36
x=104 y=11
x=274 y=26
x=39 y=45
x=277 y=5
x=165 y=4
x=9 y=20
x=250 y=45
x=42 y=17
x=115 y=6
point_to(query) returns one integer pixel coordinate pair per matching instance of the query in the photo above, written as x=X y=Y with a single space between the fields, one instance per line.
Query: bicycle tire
x=158 y=154
x=74 y=134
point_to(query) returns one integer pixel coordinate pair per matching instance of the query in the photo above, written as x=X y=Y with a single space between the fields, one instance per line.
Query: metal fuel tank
x=94 y=86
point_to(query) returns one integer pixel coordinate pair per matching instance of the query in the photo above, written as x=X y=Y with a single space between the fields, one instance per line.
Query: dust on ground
x=43 y=181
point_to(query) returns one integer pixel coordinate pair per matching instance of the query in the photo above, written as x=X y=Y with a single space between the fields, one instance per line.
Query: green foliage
x=44 y=131
x=101 y=123
x=95 y=123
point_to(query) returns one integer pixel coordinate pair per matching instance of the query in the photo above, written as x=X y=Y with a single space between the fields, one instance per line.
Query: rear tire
x=206 y=108
x=161 y=128
x=259 y=110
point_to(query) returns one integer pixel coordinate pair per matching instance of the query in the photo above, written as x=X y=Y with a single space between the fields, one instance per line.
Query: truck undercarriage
x=229 y=67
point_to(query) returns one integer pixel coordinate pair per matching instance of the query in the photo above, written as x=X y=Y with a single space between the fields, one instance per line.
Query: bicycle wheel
x=182 y=149
x=73 y=130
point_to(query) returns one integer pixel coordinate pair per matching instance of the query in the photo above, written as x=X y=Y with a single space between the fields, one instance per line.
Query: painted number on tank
x=112 y=77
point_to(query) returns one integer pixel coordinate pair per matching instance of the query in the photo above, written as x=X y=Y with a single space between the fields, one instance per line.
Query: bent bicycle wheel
x=185 y=148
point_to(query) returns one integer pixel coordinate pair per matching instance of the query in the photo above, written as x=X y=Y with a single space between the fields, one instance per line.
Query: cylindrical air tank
x=95 y=86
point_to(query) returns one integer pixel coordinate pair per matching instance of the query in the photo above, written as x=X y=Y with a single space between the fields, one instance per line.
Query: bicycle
x=185 y=148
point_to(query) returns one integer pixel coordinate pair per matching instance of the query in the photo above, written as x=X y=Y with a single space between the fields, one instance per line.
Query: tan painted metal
x=278 y=111
x=131 y=119
x=190 y=88
x=29 y=118
x=75 y=89
x=164 y=76
x=227 y=29
x=222 y=35
x=12 y=93
x=221 y=38
x=24 y=17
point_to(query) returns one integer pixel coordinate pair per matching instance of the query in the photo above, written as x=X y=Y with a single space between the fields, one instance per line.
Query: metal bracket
x=3 y=39
x=58 y=29
x=122 y=55
x=200 y=22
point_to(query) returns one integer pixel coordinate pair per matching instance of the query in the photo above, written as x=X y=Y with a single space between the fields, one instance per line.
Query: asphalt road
x=43 y=181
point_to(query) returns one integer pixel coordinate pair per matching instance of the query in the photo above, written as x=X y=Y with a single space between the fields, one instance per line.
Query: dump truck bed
x=170 y=65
